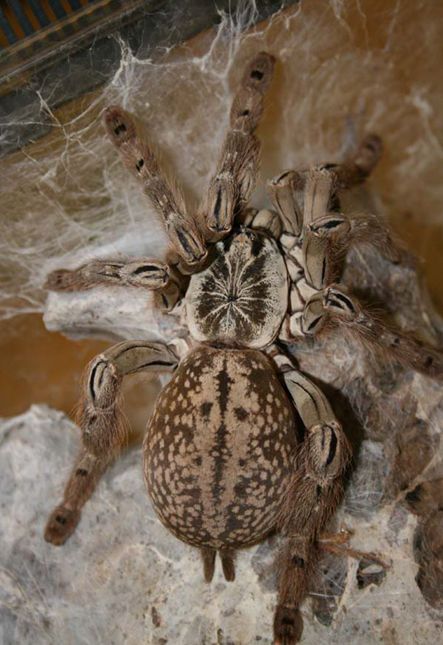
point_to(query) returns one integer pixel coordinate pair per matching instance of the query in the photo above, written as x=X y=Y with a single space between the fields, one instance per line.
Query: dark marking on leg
x=297 y=561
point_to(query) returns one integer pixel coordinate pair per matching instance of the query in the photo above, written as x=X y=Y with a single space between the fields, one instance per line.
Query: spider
x=241 y=444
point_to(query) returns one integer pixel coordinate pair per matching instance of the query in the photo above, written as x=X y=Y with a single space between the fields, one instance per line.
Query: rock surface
x=122 y=578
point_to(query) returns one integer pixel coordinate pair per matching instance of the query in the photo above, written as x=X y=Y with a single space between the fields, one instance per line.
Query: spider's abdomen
x=219 y=448
x=240 y=300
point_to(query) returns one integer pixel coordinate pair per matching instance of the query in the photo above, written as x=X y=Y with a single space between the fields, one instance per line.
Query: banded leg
x=323 y=182
x=143 y=272
x=102 y=425
x=321 y=229
x=328 y=234
x=313 y=493
x=327 y=240
x=286 y=192
x=345 y=310
x=333 y=306
x=307 y=204
x=237 y=167
x=165 y=196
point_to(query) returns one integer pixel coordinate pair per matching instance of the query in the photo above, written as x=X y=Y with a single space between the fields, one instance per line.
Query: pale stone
x=123 y=579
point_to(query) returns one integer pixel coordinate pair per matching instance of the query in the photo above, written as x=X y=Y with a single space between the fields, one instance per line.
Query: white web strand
x=66 y=198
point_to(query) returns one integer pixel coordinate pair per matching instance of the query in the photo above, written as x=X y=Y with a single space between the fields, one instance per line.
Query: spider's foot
x=61 y=525
x=369 y=152
x=62 y=280
x=288 y=625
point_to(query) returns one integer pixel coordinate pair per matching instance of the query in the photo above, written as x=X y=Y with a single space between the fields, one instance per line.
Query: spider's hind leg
x=102 y=425
x=313 y=492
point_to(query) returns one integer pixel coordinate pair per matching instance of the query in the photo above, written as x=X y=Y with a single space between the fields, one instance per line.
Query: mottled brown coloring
x=219 y=448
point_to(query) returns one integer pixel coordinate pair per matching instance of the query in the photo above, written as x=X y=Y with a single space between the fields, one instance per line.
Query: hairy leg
x=235 y=175
x=334 y=307
x=328 y=234
x=81 y=484
x=312 y=495
x=102 y=425
x=373 y=333
x=144 y=273
x=307 y=203
x=286 y=192
x=139 y=158
x=327 y=240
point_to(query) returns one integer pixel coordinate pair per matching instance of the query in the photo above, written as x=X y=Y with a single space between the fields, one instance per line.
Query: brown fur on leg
x=61 y=524
x=102 y=424
x=375 y=335
x=312 y=495
x=84 y=478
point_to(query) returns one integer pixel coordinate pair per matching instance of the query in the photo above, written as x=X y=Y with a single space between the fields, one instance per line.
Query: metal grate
x=47 y=44
x=21 y=20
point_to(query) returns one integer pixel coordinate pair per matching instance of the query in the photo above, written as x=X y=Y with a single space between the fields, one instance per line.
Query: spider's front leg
x=146 y=273
x=308 y=204
x=314 y=490
x=237 y=168
x=102 y=425
x=139 y=157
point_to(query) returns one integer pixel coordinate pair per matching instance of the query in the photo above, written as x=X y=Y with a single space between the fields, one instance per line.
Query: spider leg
x=286 y=193
x=358 y=166
x=314 y=490
x=142 y=272
x=139 y=158
x=334 y=306
x=102 y=425
x=338 y=544
x=401 y=347
x=237 y=168
x=302 y=196
x=328 y=234
x=315 y=257
x=263 y=220
x=308 y=205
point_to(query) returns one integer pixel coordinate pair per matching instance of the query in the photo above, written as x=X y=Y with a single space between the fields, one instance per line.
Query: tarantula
x=241 y=444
